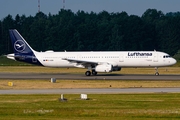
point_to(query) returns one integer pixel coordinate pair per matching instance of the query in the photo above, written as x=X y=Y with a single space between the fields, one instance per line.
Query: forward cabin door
x=155 y=57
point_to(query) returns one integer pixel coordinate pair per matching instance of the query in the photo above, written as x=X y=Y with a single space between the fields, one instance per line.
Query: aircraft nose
x=173 y=61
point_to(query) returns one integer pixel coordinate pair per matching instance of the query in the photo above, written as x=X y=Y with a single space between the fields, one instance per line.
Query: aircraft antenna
x=63 y=4
x=38 y=5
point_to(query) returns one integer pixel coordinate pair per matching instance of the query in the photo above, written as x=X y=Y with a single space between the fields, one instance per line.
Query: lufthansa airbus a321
x=94 y=62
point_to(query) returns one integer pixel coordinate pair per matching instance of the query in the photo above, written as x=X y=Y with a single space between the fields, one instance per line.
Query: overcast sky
x=135 y=7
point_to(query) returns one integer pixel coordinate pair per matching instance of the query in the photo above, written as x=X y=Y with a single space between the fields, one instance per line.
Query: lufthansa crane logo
x=19 y=45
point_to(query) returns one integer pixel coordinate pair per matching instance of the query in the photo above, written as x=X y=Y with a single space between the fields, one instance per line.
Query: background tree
x=82 y=31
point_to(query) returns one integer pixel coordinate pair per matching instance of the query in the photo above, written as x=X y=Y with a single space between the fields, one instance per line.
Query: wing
x=81 y=63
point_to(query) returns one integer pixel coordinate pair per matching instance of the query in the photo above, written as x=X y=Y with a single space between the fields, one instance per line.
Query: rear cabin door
x=34 y=59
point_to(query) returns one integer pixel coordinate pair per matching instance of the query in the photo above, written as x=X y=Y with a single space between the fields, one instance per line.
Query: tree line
x=103 y=31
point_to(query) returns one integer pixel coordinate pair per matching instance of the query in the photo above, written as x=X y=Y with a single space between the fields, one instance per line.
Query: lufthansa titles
x=139 y=54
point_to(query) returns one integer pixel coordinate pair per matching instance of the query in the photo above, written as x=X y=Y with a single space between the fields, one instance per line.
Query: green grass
x=99 y=107
x=177 y=64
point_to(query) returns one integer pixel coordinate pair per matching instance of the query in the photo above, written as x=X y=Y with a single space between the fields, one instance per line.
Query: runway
x=93 y=91
x=44 y=76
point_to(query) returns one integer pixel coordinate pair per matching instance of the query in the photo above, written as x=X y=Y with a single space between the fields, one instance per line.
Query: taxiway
x=39 y=76
x=93 y=91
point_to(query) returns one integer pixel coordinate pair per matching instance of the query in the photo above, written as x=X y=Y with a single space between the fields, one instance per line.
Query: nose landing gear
x=157 y=73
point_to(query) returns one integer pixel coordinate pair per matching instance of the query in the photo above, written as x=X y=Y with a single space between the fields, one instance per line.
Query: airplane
x=94 y=62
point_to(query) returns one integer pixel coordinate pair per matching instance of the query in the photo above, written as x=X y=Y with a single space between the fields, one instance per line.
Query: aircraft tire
x=156 y=73
x=87 y=73
x=94 y=72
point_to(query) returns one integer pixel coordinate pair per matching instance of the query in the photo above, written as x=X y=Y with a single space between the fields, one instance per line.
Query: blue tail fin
x=19 y=44
x=22 y=51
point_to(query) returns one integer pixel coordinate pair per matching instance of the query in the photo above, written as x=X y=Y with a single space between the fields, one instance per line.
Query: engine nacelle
x=116 y=69
x=104 y=68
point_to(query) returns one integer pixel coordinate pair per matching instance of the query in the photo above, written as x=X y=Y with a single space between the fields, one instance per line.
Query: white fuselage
x=121 y=59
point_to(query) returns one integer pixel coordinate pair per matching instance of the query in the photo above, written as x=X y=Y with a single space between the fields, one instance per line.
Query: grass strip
x=99 y=106
x=46 y=84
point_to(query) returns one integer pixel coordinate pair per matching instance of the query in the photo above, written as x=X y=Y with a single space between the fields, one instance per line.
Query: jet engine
x=104 y=68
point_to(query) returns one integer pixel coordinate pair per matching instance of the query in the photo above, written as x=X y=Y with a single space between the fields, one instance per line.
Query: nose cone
x=173 y=61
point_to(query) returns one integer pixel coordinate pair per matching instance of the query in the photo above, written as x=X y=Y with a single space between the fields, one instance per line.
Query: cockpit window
x=166 y=56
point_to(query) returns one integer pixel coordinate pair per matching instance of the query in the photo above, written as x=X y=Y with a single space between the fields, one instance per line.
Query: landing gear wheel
x=94 y=72
x=156 y=68
x=87 y=73
x=156 y=73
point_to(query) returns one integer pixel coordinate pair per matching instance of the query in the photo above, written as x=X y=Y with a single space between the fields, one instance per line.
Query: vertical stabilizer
x=19 y=44
x=22 y=51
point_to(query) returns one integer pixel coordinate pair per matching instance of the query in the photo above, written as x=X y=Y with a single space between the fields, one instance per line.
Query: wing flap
x=81 y=62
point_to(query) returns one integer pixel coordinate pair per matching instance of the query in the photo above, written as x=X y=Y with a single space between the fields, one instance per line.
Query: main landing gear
x=94 y=72
x=88 y=73
x=157 y=73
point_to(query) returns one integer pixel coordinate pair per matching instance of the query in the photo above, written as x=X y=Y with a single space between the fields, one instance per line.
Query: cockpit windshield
x=166 y=56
